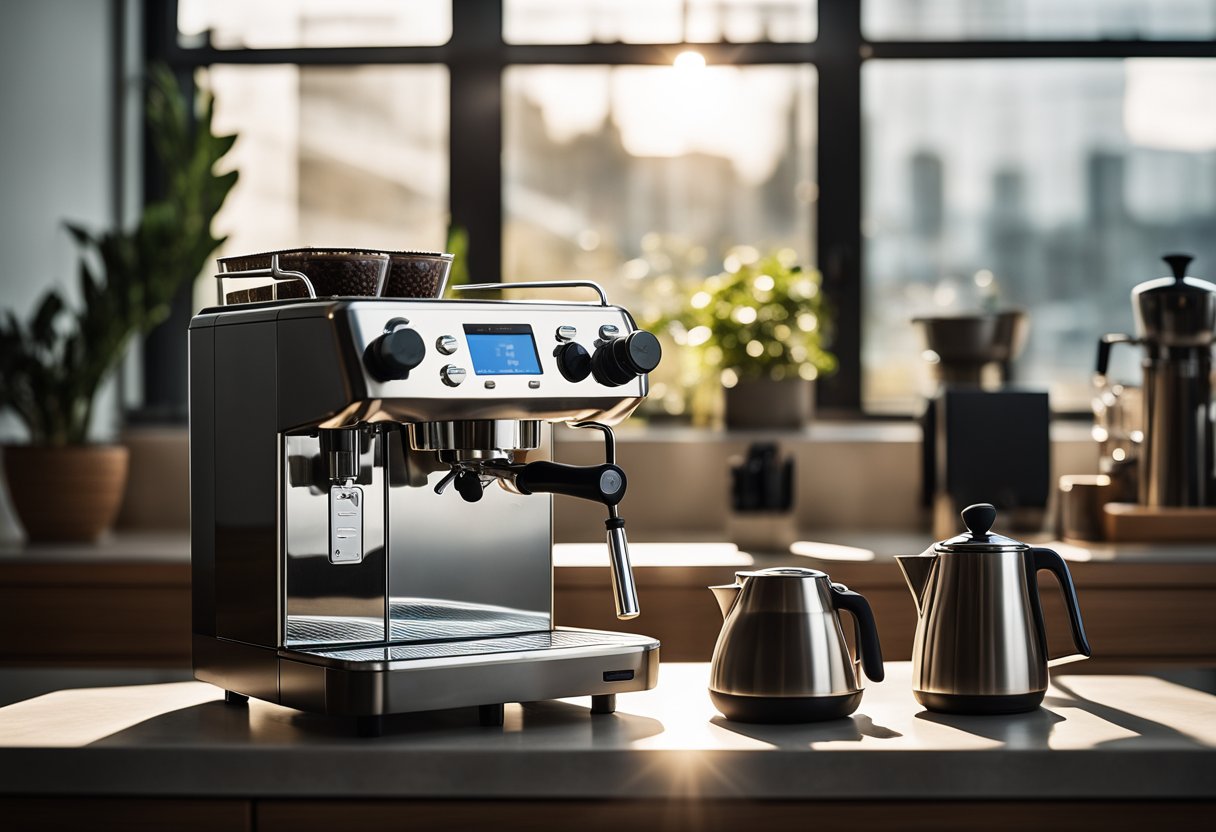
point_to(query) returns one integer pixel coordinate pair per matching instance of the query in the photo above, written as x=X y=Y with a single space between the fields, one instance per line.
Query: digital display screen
x=502 y=349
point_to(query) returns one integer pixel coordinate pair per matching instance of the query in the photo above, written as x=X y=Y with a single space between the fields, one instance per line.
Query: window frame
x=476 y=56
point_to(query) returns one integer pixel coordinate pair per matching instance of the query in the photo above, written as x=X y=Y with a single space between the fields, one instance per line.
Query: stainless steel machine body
x=328 y=573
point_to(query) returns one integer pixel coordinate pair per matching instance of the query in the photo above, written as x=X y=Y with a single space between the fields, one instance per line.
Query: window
x=333 y=156
x=923 y=154
x=1039 y=19
x=658 y=21
x=632 y=175
x=1049 y=185
x=240 y=24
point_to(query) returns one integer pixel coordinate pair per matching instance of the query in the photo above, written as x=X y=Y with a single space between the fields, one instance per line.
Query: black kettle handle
x=1052 y=562
x=845 y=599
x=1104 y=346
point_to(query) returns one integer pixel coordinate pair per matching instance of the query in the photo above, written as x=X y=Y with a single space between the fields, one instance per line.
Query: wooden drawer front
x=108 y=625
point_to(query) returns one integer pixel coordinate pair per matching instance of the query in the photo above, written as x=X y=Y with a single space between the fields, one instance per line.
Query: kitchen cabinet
x=127 y=602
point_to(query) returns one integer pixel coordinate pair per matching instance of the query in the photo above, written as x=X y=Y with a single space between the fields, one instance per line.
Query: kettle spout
x=916 y=569
x=725 y=596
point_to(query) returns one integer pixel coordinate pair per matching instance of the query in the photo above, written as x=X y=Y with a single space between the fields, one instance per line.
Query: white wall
x=56 y=118
x=56 y=148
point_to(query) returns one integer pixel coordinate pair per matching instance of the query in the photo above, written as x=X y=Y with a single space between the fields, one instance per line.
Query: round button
x=391 y=356
x=566 y=333
x=447 y=344
x=609 y=331
x=452 y=375
x=574 y=362
x=611 y=482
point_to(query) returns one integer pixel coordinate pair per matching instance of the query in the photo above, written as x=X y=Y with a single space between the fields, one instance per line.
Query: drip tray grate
x=549 y=640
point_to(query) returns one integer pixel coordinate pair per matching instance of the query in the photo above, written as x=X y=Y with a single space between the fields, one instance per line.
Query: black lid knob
x=394 y=354
x=621 y=360
x=1178 y=264
x=979 y=518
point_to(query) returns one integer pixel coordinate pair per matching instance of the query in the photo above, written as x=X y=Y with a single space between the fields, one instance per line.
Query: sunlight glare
x=689 y=60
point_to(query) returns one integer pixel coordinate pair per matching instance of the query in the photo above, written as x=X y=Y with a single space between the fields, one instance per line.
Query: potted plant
x=758 y=330
x=62 y=486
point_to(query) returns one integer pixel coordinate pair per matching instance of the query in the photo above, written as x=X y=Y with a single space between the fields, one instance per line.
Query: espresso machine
x=371 y=500
x=1176 y=326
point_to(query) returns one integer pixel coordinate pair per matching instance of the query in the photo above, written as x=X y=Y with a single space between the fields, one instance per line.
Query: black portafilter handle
x=598 y=483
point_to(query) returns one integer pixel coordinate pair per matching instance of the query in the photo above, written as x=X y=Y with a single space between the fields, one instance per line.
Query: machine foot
x=603 y=703
x=491 y=716
x=234 y=698
x=369 y=726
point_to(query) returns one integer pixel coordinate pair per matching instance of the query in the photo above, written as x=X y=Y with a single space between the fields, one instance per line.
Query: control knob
x=619 y=361
x=394 y=354
x=573 y=361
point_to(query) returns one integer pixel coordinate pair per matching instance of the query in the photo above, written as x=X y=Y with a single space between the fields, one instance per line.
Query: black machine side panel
x=246 y=483
x=202 y=479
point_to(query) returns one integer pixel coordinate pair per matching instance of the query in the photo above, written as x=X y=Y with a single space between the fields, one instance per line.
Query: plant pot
x=69 y=493
x=763 y=403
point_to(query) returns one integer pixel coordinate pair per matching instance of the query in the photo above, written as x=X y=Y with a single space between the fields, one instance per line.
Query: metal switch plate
x=345 y=524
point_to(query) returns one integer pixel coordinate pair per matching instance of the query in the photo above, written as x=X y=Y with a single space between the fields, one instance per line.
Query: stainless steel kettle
x=781 y=655
x=980 y=644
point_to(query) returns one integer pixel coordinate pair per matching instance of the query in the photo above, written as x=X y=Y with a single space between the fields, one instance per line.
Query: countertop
x=141 y=733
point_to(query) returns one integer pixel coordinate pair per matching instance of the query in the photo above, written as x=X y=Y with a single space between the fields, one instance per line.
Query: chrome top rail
x=537 y=284
x=274 y=272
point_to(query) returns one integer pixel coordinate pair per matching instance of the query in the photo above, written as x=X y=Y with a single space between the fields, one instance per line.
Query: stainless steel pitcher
x=980 y=646
x=781 y=655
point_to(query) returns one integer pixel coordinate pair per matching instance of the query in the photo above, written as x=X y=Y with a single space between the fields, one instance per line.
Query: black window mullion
x=1043 y=49
x=165 y=398
x=475 y=134
x=838 y=208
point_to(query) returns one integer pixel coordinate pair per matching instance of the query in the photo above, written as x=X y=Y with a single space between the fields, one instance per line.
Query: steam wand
x=624 y=591
x=597 y=483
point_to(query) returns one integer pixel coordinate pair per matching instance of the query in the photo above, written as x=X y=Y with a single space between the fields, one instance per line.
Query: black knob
x=468 y=485
x=979 y=518
x=621 y=360
x=1178 y=264
x=394 y=354
x=573 y=361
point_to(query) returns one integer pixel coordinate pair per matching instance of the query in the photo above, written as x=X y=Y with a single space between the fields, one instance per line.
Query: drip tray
x=560 y=639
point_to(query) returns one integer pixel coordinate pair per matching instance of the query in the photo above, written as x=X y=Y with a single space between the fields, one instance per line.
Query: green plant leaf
x=42 y=328
x=49 y=374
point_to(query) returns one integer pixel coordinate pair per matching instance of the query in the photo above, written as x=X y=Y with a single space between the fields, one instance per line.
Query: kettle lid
x=1174 y=307
x=979 y=519
x=782 y=572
